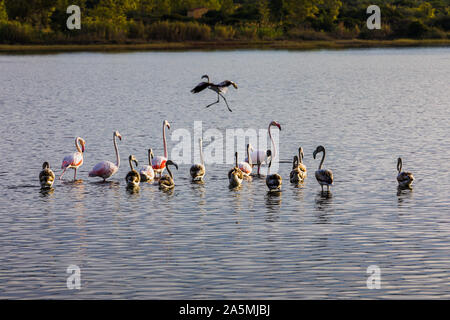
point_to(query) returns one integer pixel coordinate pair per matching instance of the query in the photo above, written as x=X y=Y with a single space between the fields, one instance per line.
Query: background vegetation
x=142 y=21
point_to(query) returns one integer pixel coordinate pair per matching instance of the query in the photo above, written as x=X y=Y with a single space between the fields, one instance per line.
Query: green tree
x=300 y=10
x=3 y=13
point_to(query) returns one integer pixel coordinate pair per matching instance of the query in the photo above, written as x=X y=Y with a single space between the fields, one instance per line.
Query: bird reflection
x=133 y=189
x=324 y=201
x=298 y=191
x=273 y=204
x=404 y=193
x=46 y=192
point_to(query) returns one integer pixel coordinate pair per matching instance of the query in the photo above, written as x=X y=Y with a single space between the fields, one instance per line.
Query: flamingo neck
x=117 y=151
x=300 y=157
x=77 y=141
x=170 y=172
x=399 y=166
x=236 y=159
x=268 y=170
x=131 y=164
x=323 y=159
x=164 y=141
x=150 y=158
x=248 y=156
x=201 y=153
x=273 y=143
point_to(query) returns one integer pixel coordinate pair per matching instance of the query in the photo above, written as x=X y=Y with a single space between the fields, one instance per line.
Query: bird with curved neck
x=74 y=160
x=246 y=166
x=235 y=175
x=166 y=182
x=298 y=173
x=133 y=177
x=273 y=181
x=159 y=162
x=147 y=173
x=46 y=176
x=404 y=179
x=197 y=171
x=106 y=169
x=324 y=176
x=219 y=88
x=259 y=157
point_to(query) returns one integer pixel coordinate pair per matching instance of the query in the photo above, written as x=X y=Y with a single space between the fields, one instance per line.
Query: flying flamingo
x=159 y=162
x=106 y=169
x=220 y=89
x=146 y=172
x=259 y=157
x=246 y=167
x=74 y=160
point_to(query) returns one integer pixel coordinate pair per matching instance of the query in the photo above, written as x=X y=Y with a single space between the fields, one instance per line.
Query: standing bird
x=133 y=177
x=74 y=160
x=220 y=89
x=235 y=175
x=323 y=176
x=166 y=182
x=273 y=181
x=405 y=179
x=259 y=156
x=298 y=173
x=246 y=167
x=46 y=176
x=159 y=162
x=106 y=169
x=198 y=170
x=146 y=172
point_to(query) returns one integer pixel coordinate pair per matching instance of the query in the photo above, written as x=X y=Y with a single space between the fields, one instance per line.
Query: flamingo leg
x=225 y=102
x=75 y=175
x=209 y=105
x=64 y=171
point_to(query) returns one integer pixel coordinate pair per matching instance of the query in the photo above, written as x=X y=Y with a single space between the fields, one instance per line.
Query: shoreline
x=223 y=45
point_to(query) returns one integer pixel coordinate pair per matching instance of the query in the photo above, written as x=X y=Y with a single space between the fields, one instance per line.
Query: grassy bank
x=226 y=45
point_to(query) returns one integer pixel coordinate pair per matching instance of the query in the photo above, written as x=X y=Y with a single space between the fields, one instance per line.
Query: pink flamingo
x=75 y=160
x=106 y=169
x=246 y=167
x=159 y=162
x=259 y=157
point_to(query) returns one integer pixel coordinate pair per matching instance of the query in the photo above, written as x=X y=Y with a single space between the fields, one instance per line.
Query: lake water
x=367 y=107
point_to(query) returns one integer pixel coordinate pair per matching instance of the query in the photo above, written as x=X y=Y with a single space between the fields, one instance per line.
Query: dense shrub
x=178 y=31
x=15 y=32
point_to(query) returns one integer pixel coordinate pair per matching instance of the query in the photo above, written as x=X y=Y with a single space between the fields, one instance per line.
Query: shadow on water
x=46 y=192
x=403 y=195
x=273 y=204
x=324 y=205
x=133 y=190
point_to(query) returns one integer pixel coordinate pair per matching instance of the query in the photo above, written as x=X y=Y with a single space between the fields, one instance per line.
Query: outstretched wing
x=200 y=87
x=227 y=83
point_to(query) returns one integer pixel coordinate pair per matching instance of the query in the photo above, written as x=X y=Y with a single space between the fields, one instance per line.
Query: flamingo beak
x=83 y=147
x=120 y=137
x=278 y=125
x=314 y=153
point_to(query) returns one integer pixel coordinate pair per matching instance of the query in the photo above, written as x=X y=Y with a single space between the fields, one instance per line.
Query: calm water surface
x=367 y=107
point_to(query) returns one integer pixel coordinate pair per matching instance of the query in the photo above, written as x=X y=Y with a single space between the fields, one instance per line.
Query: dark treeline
x=140 y=21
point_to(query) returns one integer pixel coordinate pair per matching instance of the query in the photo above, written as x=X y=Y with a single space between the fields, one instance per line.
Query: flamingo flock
x=236 y=175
